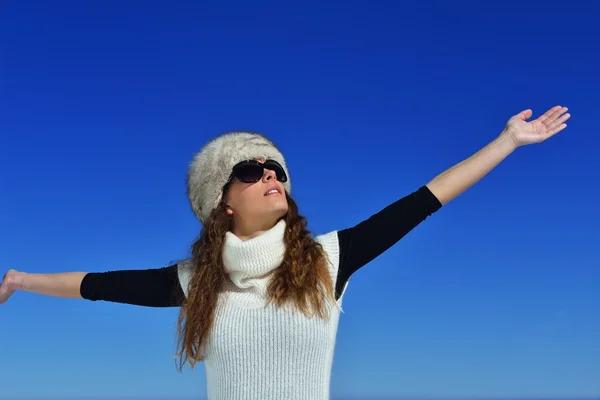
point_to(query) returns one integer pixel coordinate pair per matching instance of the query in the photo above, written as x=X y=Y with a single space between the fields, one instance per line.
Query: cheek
x=242 y=196
x=251 y=194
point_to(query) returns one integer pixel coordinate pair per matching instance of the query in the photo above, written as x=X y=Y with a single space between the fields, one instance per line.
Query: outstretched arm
x=517 y=132
x=150 y=287
x=366 y=241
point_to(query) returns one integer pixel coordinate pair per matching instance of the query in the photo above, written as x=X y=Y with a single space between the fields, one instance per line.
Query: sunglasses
x=251 y=171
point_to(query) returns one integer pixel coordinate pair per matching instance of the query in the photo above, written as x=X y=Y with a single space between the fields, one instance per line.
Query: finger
x=556 y=115
x=557 y=129
x=549 y=114
x=525 y=115
x=554 y=123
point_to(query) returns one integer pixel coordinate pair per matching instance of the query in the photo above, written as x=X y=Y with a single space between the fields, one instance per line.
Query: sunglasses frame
x=263 y=166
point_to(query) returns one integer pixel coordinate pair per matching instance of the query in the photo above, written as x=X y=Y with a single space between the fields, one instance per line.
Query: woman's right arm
x=149 y=287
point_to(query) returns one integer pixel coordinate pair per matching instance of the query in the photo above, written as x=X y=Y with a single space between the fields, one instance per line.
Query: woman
x=260 y=298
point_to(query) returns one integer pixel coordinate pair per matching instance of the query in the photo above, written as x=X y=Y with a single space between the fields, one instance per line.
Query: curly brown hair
x=303 y=278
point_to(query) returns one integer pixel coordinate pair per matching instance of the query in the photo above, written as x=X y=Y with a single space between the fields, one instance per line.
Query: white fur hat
x=211 y=167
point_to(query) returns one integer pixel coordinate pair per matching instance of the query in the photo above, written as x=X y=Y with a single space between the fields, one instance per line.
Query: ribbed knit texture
x=247 y=262
x=264 y=352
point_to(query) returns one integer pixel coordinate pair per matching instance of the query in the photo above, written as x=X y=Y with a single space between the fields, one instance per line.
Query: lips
x=270 y=189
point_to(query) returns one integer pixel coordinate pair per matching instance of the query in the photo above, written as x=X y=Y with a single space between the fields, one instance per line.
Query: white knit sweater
x=258 y=352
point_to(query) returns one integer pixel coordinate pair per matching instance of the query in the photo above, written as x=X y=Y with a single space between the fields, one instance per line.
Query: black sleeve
x=148 y=287
x=366 y=241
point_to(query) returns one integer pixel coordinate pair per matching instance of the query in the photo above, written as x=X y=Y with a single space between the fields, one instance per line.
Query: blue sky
x=104 y=104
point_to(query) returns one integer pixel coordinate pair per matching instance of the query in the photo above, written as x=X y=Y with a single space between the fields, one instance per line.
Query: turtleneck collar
x=247 y=262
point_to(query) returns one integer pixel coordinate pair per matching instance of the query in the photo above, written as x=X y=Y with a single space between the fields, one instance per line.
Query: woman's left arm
x=367 y=240
x=454 y=181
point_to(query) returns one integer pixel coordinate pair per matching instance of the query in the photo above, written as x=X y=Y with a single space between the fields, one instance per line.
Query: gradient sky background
x=103 y=104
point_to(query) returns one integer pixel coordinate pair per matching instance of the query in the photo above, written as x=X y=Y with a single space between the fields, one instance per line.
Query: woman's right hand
x=10 y=282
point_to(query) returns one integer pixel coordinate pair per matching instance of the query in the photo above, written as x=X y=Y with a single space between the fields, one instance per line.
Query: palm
x=538 y=130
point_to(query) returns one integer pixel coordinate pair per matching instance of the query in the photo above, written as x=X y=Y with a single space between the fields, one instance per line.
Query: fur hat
x=211 y=167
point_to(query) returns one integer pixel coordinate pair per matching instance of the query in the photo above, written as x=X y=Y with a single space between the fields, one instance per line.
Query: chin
x=280 y=212
x=277 y=207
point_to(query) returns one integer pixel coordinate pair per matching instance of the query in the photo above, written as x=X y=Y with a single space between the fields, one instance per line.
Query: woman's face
x=257 y=204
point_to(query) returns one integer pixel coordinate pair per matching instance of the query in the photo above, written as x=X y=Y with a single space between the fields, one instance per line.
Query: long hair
x=302 y=279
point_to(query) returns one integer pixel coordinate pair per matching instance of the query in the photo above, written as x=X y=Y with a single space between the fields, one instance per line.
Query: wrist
x=17 y=279
x=506 y=140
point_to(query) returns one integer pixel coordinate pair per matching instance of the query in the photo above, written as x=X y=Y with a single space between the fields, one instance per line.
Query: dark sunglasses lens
x=274 y=166
x=249 y=173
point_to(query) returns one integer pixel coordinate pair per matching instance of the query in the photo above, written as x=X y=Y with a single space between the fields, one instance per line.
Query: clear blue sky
x=103 y=104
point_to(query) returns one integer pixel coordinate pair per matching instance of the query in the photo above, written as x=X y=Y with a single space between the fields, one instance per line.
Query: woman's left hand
x=538 y=130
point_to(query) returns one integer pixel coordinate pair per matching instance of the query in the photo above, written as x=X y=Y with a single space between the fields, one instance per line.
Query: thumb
x=524 y=115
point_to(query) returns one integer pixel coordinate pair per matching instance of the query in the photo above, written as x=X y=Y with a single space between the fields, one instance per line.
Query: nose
x=269 y=175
